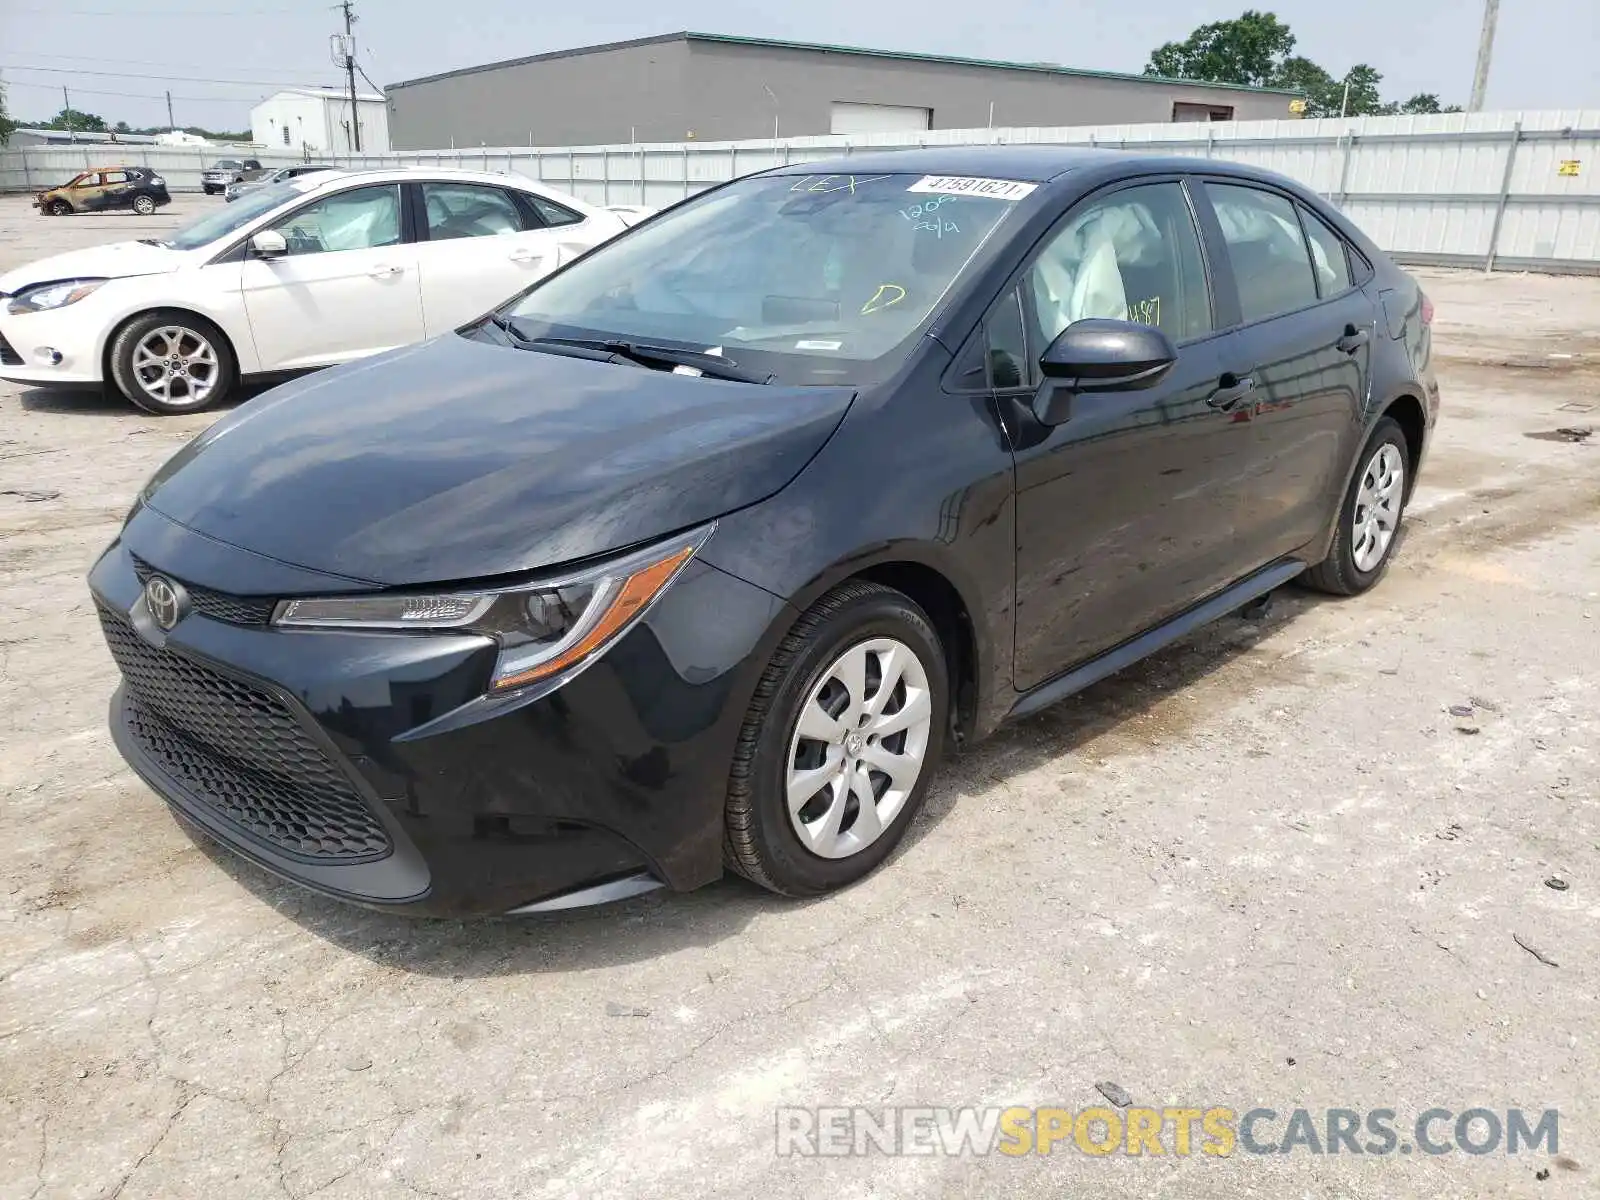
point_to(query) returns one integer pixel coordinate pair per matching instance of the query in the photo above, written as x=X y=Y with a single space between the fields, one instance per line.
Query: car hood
x=114 y=261
x=458 y=459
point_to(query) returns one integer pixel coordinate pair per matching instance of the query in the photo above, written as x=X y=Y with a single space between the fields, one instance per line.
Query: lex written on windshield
x=813 y=279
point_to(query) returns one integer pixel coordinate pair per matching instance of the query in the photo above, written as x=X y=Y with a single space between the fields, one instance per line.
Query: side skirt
x=1220 y=605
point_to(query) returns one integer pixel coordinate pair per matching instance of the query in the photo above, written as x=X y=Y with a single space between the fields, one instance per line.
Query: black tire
x=131 y=334
x=144 y=205
x=208 y=189
x=759 y=841
x=1338 y=574
x=60 y=208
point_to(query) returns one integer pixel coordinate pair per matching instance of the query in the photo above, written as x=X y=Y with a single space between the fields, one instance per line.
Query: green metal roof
x=824 y=48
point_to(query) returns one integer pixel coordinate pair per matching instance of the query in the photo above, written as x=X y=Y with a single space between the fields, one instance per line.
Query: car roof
x=341 y=176
x=1024 y=163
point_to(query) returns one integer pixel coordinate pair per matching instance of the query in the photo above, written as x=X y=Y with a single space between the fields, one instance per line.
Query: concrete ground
x=1266 y=868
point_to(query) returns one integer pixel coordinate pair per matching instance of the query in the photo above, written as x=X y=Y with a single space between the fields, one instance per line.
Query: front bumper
x=365 y=775
x=72 y=332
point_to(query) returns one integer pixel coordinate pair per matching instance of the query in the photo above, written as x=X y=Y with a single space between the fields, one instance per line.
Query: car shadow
x=104 y=402
x=664 y=922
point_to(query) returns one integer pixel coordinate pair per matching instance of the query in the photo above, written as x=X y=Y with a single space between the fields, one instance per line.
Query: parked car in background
x=319 y=270
x=698 y=554
x=216 y=178
x=281 y=175
x=105 y=189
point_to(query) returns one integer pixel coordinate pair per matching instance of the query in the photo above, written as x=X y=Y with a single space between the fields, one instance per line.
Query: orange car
x=104 y=188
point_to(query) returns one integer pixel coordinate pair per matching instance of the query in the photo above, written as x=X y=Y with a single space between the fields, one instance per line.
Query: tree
x=122 y=127
x=1250 y=50
x=1424 y=102
x=71 y=118
x=1255 y=50
x=6 y=123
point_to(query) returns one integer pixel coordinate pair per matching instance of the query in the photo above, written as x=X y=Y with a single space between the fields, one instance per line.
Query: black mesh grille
x=236 y=610
x=240 y=751
x=8 y=356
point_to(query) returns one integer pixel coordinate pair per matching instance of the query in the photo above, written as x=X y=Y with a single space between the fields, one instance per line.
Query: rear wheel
x=171 y=362
x=144 y=205
x=841 y=740
x=1369 y=520
x=60 y=208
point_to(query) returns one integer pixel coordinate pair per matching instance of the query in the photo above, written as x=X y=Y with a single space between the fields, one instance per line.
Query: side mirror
x=1101 y=355
x=269 y=243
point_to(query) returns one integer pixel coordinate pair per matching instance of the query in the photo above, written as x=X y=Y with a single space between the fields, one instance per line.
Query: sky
x=118 y=56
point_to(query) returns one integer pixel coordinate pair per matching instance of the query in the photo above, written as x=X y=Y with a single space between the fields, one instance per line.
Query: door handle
x=525 y=256
x=384 y=271
x=1353 y=339
x=1234 y=389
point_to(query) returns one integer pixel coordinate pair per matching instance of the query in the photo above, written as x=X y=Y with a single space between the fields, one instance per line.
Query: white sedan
x=316 y=271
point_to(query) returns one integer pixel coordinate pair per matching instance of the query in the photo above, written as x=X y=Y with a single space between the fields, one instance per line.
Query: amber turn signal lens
x=636 y=592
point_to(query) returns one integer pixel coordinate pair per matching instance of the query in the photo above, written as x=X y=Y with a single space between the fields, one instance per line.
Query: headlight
x=52 y=295
x=547 y=631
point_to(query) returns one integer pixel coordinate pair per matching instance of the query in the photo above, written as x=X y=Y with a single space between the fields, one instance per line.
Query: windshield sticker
x=887 y=295
x=963 y=185
x=818 y=344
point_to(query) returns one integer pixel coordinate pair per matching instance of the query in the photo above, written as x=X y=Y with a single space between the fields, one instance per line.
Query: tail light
x=1427 y=310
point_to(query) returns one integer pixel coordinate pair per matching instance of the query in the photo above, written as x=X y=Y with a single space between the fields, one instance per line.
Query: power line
x=158 y=12
x=138 y=62
x=50 y=87
x=277 y=83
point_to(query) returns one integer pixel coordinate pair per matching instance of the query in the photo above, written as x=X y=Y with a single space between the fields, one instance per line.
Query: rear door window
x=1271 y=263
x=459 y=210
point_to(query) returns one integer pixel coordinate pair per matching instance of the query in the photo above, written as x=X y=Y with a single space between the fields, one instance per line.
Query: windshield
x=226 y=164
x=815 y=279
x=237 y=215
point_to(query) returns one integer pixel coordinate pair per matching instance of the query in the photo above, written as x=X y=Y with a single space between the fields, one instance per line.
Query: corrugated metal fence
x=1514 y=190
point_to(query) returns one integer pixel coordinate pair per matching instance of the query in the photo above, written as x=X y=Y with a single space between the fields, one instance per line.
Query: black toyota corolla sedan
x=702 y=552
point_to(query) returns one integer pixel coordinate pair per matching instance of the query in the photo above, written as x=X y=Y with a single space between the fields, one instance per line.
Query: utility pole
x=66 y=113
x=1480 y=77
x=171 y=124
x=350 y=67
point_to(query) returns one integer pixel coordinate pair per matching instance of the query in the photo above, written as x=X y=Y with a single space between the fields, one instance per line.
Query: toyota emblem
x=165 y=600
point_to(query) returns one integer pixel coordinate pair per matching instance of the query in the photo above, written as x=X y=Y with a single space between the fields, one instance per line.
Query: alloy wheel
x=176 y=367
x=1376 y=518
x=143 y=205
x=858 y=747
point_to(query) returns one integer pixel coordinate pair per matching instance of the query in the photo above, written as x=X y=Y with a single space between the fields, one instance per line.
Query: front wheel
x=144 y=205
x=60 y=208
x=1369 y=519
x=840 y=742
x=172 y=362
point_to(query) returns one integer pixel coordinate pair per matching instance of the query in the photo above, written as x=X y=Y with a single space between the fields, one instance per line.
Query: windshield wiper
x=151 y=242
x=642 y=353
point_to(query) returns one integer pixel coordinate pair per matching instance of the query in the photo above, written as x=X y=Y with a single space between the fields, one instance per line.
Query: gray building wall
x=727 y=100
x=673 y=88
x=632 y=92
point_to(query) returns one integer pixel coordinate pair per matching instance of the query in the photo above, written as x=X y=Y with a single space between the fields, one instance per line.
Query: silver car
x=235 y=190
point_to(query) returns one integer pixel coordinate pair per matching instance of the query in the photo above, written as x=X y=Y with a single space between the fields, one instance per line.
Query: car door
x=346 y=287
x=477 y=245
x=117 y=189
x=1303 y=339
x=88 y=192
x=1125 y=510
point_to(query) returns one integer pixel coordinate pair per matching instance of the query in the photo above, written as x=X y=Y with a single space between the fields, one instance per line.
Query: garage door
x=879 y=118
